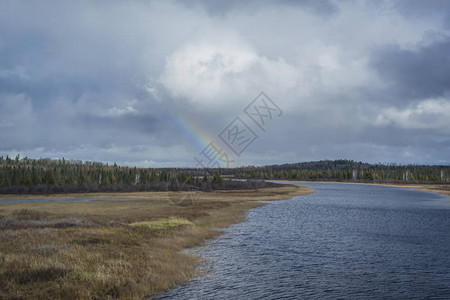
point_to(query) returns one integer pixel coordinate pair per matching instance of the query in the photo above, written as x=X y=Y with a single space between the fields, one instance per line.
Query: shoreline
x=120 y=249
x=443 y=189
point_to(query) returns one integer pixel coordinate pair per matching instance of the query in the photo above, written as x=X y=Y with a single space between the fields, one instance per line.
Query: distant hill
x=348 y=170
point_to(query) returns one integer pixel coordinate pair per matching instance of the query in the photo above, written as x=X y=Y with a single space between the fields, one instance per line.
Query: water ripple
x=344 y=241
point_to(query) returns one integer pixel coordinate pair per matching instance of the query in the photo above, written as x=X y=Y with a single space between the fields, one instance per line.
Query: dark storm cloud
x=220 y=7
x=420 y=8
x=143 y=82
x=414 y=74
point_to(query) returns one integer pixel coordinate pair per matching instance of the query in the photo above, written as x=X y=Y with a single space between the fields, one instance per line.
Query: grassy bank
x=113 y=249
x=434 y=188
x=443 y=189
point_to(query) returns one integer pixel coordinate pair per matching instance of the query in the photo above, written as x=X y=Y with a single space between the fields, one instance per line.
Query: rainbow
x=199 y=135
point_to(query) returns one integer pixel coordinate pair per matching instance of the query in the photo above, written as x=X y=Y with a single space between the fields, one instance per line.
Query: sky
x=178 y=83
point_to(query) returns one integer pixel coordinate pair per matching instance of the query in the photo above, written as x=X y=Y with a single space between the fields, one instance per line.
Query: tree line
x=349 y=170
x=26 y=175
x=45 y=176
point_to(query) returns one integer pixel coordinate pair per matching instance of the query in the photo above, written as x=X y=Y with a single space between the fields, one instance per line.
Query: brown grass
x=443 y=189
x=80 y=250
x=440 y=189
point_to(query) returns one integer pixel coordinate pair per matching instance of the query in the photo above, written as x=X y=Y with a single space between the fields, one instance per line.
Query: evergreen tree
x=49 y=177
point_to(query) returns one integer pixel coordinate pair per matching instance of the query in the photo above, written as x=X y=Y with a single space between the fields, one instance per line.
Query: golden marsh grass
x=113 y=249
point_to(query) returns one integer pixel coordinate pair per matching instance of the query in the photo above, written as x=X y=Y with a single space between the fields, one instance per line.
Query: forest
x=349 y=170
x=50 y=176
x=45 y=176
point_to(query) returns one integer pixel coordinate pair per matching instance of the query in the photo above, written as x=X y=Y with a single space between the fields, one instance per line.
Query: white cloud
x=204 y=71
x=427 y=114
x=217 y=72
x=116 y=112
x=127 y=109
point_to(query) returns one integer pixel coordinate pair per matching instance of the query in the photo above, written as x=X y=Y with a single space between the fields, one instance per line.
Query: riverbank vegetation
x=434 y=188
x=55 y=176
x=349 y=170
x=114 y=249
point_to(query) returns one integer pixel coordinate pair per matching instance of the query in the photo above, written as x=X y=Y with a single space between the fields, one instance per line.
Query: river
x=343 y=241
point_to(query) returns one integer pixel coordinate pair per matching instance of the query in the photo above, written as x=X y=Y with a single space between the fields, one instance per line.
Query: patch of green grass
x=163 y=224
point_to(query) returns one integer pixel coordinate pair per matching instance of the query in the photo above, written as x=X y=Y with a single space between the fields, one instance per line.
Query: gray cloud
x=417 y=73
x=152 y=82
x=222 y=8
x=418 y=8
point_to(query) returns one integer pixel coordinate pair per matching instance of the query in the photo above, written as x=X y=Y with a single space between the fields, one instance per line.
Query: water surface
x=343 y=241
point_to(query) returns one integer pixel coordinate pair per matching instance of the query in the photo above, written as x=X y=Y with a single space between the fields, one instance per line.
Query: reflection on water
x=351 y=241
